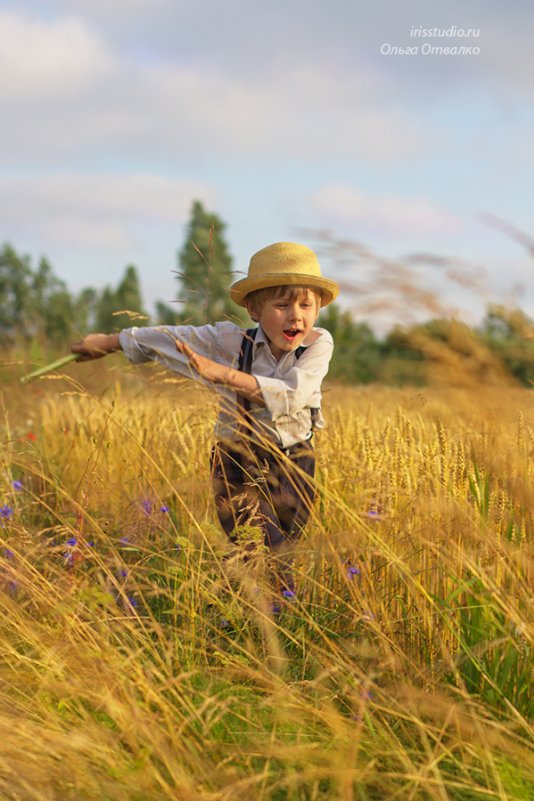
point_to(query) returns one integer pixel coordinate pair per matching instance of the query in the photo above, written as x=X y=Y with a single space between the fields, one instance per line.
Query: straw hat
x=284 y=263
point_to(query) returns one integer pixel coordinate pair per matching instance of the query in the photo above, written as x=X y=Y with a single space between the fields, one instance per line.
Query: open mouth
x=290 y=334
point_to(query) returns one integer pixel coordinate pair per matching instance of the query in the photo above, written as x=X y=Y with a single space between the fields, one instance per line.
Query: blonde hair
x=257 y=299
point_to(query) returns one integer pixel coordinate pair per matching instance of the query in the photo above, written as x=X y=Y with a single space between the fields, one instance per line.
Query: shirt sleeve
x=219 y=342
x=301 y=385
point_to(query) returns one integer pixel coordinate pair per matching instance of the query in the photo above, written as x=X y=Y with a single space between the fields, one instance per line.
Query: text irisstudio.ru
x=445 y=33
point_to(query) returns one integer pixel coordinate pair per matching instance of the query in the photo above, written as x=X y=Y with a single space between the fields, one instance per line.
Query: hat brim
x=328 y=289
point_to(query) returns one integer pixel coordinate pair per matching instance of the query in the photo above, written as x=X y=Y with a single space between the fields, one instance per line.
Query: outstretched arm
x=243 y=383
x=94 y=346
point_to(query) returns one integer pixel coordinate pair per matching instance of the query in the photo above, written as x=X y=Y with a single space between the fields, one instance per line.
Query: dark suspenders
x=245 y=364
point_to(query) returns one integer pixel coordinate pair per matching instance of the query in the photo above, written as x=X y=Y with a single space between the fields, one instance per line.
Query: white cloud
x=65 y=92
x=243 y=38
x=345 y=205
x=304 y=113
x=48 y=59
x=240 y=36
x=97 y=211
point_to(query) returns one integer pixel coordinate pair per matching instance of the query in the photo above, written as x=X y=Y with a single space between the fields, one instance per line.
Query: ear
x=251 y=311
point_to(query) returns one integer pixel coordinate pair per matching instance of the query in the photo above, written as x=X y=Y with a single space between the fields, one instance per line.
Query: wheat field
x=133 y=668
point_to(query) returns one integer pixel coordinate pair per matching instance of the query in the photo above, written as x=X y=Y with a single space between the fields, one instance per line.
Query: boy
x=269 y=380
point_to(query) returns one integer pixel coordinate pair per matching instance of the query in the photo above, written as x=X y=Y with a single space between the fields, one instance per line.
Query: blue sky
x=287 y=120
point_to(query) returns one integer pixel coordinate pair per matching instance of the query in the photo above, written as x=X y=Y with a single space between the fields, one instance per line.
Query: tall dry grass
x=133 y=667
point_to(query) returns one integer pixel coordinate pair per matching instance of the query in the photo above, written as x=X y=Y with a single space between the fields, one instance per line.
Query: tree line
x=35 y=304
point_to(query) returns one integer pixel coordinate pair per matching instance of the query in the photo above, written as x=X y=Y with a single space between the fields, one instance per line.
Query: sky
x=330 y=123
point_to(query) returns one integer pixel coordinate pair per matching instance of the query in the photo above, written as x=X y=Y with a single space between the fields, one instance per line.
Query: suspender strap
x=245 y=364
x=245 y=353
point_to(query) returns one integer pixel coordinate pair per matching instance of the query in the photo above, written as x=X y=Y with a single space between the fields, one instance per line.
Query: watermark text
x=453 y=32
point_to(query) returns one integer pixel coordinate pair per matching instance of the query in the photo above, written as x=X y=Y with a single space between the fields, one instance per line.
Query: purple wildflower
x=373 y=514
x=72 y=541
x=17 y=485
x=164 y=508
x=147 y=506
x=6 y=512
x=353 y=571
x=122 y=572
x=132 y=601
x=8 y=553
x=124 y=540
x=289 y=594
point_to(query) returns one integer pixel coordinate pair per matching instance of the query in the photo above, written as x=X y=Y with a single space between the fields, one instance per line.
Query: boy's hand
x=205 y=367
x=243 y=383
x=94 y=346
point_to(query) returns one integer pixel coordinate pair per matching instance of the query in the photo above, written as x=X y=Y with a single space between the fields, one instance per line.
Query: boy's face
x=287 y=322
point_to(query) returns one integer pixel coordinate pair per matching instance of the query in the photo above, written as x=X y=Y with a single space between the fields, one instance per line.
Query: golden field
x=133 y=669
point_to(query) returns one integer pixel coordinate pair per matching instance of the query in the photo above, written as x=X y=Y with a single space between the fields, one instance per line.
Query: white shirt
x=290 y=387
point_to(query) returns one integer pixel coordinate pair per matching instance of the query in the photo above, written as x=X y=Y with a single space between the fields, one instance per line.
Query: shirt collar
x=260 y=338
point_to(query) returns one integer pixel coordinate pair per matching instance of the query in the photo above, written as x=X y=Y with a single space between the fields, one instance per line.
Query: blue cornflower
x=6 y=512
x=72 y=541
x=373 y=514
x=91 y=544
x=17 y=485
x=147 y=506
x=353 y=571
x=122 y=572
x=289 y=594
x=132 y=601
x=164 y=508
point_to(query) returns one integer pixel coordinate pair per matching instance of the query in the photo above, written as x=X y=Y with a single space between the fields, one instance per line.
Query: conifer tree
x=205 y=271
x=15 y=293
x=127 y=297
x=33 y=304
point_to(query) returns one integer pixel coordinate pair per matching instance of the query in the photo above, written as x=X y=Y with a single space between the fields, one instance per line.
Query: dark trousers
x=270 y=489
